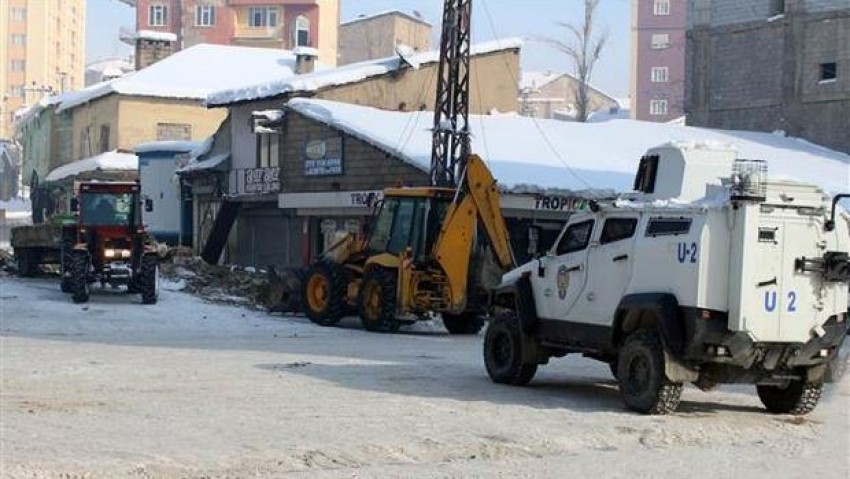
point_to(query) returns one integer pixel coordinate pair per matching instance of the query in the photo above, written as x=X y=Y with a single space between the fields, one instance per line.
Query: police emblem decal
x=563 y=281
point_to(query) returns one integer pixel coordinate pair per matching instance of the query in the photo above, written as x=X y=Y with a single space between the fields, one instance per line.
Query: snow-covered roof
x=205 y=164
x=194 y=73
x=573 y=156
x=110 y=161
x=415 y=16
x=259 y=88
x=172 y=145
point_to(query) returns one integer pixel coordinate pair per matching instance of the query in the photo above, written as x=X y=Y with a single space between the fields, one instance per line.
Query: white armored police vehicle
x=708 y=273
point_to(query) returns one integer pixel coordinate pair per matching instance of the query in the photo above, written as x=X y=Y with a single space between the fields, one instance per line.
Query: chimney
x=305 y=59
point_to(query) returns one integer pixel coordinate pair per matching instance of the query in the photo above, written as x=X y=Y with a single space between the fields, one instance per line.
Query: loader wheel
x=78 y=271
x=464 y=323
x=148 y=279
x=324 y=291
x=796 y=398
x=377 y=301
x=640 y=371
x=503 y=345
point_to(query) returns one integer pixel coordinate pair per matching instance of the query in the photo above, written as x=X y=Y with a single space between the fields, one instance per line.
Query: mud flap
x=677 y=371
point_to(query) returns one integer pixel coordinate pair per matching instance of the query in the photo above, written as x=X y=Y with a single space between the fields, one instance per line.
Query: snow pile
x=363 y=17
x=193 y=74
x=556 y=154
x=172 y=145
x=310 y=82
x=110 y=161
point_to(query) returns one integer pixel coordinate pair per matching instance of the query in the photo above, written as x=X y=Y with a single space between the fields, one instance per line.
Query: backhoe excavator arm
x=478 y=199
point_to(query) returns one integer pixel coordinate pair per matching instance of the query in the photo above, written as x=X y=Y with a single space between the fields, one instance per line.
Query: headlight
x=109 y=253
x=125 y=253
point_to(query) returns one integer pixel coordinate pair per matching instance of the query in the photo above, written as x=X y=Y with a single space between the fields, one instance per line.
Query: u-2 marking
x=770 y=301
x=687 y=253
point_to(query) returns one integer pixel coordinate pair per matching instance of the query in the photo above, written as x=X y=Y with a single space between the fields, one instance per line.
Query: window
x=777 y=7
x=647 y=171
x=268 y=150
x=658 y=107
x=662 y=7
x=104 y=138
x=302 y=31
x=17 y=91
x=659 y=74
x=19 y=65
x=173 y=131
x=576 y=238
x=262 y=16
x=204 y=15
x=617 y=229
x=828 y=71
x=19 y=14
x=158 y=15
x=668 y=226
x=19 y=39
x=660 y=41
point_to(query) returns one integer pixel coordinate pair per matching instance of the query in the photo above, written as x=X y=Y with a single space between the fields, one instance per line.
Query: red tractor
x=110 y=244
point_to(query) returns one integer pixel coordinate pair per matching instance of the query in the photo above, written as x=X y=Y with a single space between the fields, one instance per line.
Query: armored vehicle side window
x=617 y=229
x=576 y=238
x=668 y=226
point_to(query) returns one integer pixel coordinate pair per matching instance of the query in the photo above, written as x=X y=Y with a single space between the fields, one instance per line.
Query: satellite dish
x=407 y=55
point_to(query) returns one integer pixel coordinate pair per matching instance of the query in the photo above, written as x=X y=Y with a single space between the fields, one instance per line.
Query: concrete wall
x=766 y=75
x=377 y=37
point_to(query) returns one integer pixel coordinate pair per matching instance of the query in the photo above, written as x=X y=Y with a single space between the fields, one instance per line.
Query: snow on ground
x=186 y=388
x=570 y=155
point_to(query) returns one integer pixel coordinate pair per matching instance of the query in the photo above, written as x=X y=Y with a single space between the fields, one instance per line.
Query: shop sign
x=365 y=198
x=559 y=203
x=258 y=181
x=323 y=157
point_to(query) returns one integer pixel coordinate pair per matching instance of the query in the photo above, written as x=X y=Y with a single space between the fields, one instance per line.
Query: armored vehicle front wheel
x=795 y=398
x=640 y=371
x=324 y=293
x=464 y=323
x=376 y=302
x=503 y=345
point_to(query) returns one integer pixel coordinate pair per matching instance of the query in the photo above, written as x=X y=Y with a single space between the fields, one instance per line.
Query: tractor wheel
x=66 y=248
x=503 y=343
x=78 y=272
x=148 y=279
x=640 y=371
x=464 y=323
x=24 y=258
x=377 y=301
x=795 y=398
x=324 y=292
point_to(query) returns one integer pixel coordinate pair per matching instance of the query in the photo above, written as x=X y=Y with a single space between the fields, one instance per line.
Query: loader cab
x=403 y=221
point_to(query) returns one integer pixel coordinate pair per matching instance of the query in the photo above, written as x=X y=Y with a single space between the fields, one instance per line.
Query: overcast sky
x=529 y=19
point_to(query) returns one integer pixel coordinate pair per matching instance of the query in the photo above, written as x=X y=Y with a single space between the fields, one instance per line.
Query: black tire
x=795 y=398
x=464 y=323
x=503 y=343
x=376 y=301
x=78 y=269
x=324 y=292
x=613 y=367
x=640 y=371
x=148 y=279
x=24 y=257
x=68 y=240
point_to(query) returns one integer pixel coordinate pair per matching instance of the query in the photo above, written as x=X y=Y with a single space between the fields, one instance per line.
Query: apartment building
x=283 y=24
x=658 y=59
x=771 y=65
x=42 y=50
x=368 y=37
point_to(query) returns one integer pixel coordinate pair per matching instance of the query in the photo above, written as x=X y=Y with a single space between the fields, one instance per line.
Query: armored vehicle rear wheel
x=324 y=293
x=795 y=398
x=148 y=279
x=376 y=302
x=640 y=371
x=464 y=323
x=503 y=345
x=78 y=271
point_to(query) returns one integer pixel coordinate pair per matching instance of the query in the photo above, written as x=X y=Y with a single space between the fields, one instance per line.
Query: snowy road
x=190 y=389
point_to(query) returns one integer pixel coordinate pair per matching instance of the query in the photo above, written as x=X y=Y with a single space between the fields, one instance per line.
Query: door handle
x=574 y=268
x=622 y=257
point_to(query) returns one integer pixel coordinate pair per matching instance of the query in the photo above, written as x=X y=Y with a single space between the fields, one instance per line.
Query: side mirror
x=75 y=205
x=148 y=205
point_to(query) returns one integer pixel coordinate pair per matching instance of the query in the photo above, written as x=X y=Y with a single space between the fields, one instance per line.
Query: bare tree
x=584 y=49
